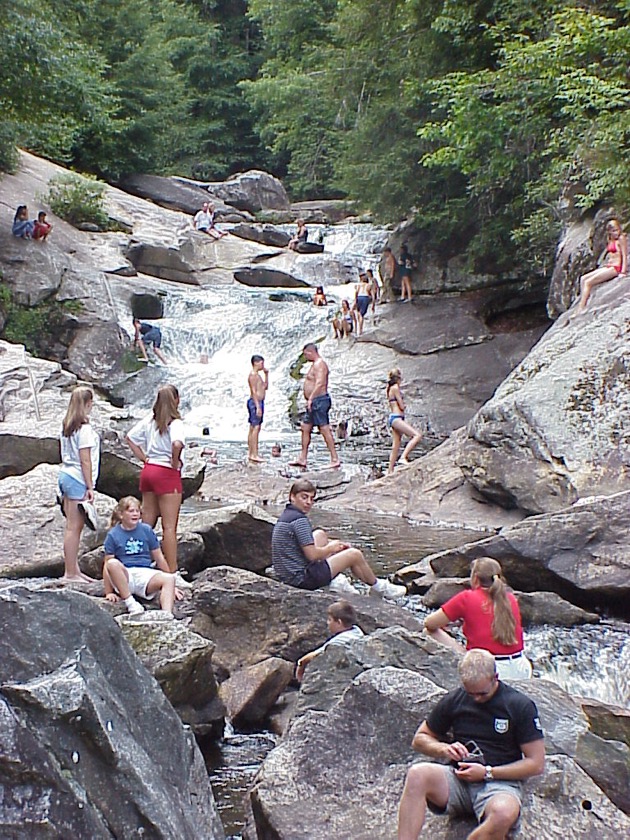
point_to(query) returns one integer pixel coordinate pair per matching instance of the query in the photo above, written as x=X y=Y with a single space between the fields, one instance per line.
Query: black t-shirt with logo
x=499 y=726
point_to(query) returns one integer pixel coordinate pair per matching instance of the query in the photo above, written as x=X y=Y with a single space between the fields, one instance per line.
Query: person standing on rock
x=497 y=743
x=362 y=300
x=396 y=421
x=492 y=620
x=317 y=407
x=258 y=386
x=80 y=457
x=158 y=441
x=308 y=559
x=406 y=263
x=388 y=273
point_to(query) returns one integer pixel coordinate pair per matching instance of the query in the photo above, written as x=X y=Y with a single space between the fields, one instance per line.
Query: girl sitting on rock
x=131 y=547
x=492 y=620
x=22 y=227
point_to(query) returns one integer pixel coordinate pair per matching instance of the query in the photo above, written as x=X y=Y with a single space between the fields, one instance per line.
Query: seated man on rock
x=307 y=559
x=497 y=742
x=343 y=629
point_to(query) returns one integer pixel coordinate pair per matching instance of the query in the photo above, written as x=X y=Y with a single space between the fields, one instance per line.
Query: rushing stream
x=230 y=323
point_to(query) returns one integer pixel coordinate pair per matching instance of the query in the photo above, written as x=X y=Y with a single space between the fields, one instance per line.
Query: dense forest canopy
x=481 y=117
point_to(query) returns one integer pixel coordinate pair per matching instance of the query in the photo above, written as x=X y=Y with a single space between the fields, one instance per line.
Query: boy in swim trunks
x=256 y=405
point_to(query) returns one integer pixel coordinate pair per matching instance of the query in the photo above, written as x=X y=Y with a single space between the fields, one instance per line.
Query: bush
x=78 y=199
x=8 y=150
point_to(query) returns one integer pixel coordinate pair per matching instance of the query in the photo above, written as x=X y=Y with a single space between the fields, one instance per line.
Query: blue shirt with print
x=132 y=548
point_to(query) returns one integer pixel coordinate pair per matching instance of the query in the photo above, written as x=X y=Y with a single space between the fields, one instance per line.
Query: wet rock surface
x=95 y=748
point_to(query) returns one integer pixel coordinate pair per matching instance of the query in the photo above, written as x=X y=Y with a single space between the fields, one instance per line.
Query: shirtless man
x=256 y=405
x=317 y=408
x=388 y=273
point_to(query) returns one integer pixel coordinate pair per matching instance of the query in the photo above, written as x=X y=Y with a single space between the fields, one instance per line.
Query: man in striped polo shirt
x=308 y=559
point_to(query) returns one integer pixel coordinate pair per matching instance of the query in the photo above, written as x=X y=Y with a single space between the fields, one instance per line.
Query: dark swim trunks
x=363 y=304
x=318 y=415
x=316 y=575
x=254 y=419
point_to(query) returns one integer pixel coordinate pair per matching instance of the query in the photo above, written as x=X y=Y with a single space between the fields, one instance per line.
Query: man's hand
x=470 y=771
x=336 y=546
x=259 y=412
x=455 y=751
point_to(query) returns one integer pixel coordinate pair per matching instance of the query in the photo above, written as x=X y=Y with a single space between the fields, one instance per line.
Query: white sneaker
x=89 y=512
x=385 y=589
x=133 y=607
x=340 y=585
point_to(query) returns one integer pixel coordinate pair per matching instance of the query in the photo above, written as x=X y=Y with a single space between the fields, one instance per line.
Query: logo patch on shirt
x=537 y=723
x=501 y=725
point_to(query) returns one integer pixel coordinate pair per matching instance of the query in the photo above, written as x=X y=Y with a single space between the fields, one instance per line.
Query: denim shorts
x=465 y=798
x=70 y=488
x=318 y=415
x=153 y=336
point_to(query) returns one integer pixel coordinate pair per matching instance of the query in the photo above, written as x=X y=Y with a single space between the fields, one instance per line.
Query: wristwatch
x=489 y=774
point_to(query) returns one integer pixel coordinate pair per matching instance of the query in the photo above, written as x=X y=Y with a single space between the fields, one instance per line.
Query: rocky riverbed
x=532 y=469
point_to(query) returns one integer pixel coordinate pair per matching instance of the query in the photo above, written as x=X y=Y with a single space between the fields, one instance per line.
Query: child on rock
x=343 y=629
x=131 y=547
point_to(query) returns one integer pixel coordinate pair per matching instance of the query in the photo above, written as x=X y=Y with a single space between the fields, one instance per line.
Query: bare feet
x=78 y=578
x=335 y=465
x=297 y=464
x=256 y=460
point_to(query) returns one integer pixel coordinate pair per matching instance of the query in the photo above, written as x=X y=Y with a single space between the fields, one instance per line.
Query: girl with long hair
x=158 y=441
x=492 y=620
x=612 y=262
x=80 y=456
x=396 y=420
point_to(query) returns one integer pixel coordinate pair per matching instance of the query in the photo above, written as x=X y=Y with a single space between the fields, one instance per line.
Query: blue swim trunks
x=254 y=419
x=318 y=415
x=363 y=304
x=153 y=336
x=392 y=418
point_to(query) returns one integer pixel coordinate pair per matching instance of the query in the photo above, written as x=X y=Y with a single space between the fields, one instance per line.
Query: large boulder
x=171 y=192
x=250 y=617
x=265 y=234
x=367 y=767
x=262 y=276
x=181 y=662
x=250 y=693
x=236 y=535
x=91 y=746
x=253 y=191
x=582 y=553
x=553 y=432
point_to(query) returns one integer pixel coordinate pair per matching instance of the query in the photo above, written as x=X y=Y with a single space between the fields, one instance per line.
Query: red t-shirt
x=476 y=608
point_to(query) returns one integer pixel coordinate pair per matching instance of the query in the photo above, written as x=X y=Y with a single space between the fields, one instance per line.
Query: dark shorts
x=318 y=415
x=160 y=480
x=317 y=575
x=154 y=337
x=363 y=304
x=254 y=419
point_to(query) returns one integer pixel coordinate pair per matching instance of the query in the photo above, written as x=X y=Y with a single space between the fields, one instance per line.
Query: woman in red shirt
x=492 y=620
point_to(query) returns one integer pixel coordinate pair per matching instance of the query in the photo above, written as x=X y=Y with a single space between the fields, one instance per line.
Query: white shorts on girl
x=139 y=577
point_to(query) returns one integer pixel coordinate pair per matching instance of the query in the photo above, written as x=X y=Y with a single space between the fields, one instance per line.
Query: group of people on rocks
x=497 y=740
x=135 y=564
x=25 y=228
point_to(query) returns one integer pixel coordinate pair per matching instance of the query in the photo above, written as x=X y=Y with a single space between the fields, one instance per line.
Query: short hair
x=302 y=485
x=477 y=664
x=344 y=612
x=257 y=358
x=310 y=346
x=387 y=250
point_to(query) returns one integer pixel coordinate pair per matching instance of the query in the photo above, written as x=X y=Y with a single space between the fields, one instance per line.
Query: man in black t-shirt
x=497 y=742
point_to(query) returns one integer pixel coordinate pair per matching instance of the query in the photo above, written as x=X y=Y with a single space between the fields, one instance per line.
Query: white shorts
x=519 y=668
x=139 y=577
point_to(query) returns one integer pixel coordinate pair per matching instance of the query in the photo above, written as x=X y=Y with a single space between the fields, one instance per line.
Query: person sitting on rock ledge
x=204 y=221
x=343 y=628
x=22 y=227
x=131 y=549
x=308 y=559
x=497 y=743
x=300 y=236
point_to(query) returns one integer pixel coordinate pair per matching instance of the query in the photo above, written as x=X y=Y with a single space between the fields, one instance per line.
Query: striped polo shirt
x=290 y=533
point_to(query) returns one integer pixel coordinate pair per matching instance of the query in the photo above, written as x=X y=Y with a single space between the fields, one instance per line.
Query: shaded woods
x=488 y=120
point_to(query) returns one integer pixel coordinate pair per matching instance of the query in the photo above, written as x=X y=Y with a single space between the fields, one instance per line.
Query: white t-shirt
x=158 y=447
x=344 y=639
x=83 y=438
x=202 y=220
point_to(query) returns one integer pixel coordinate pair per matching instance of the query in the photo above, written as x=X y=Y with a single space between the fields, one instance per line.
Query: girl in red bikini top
x=613 y=254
